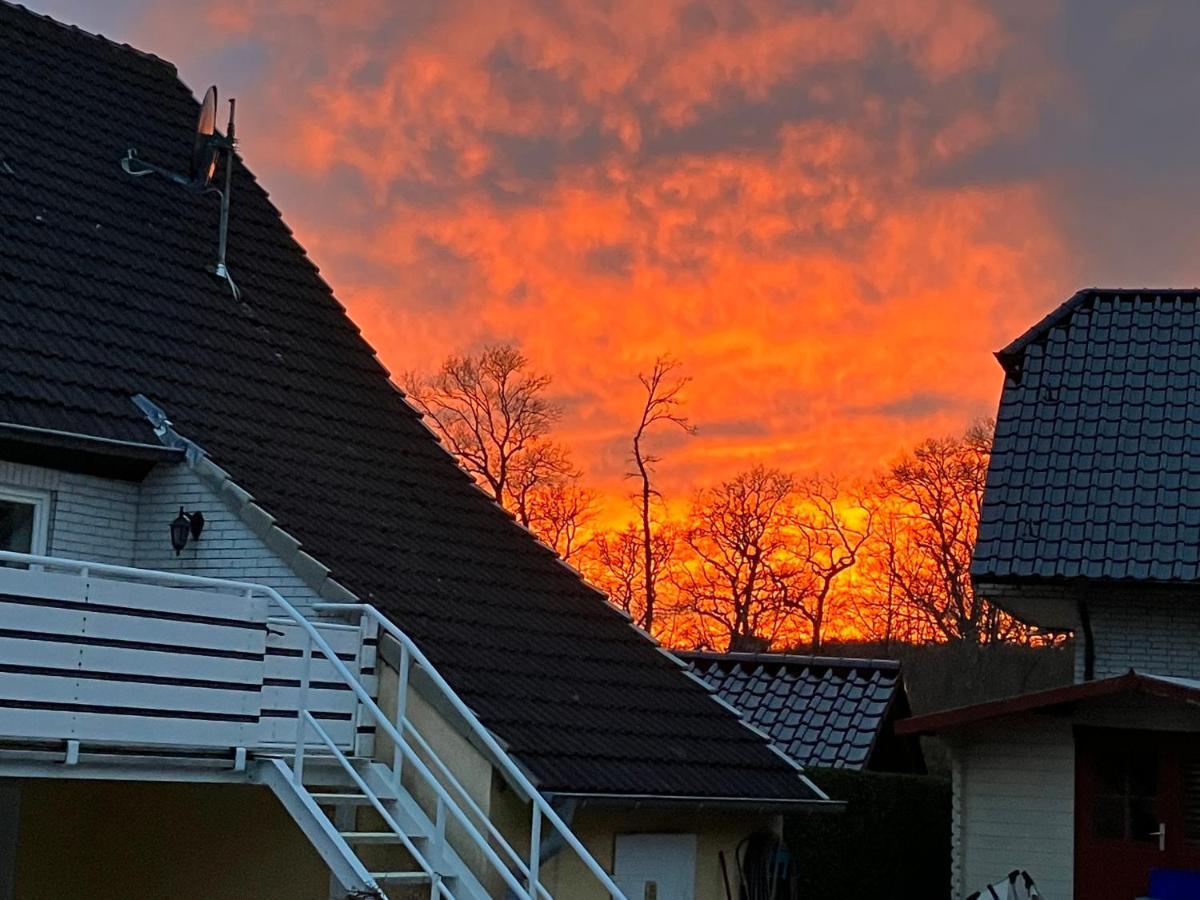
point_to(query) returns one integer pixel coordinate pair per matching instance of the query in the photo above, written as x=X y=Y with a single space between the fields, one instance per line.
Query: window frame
x=40 y=501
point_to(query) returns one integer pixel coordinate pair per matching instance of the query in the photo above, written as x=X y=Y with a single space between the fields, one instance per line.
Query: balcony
x=109 y=672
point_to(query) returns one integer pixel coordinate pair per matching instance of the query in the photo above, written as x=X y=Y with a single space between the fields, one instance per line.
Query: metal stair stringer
x=343 y=863
x=337 y=847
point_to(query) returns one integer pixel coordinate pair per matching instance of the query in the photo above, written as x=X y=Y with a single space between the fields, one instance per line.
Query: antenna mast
x=206 y=149
x=230 y=144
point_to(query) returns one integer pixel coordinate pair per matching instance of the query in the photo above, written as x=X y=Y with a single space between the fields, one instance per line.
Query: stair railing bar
x=535 y=849
x=302 y=710
x=401 y=707
x=473 y=806
x=500 y=757
x=373 y=797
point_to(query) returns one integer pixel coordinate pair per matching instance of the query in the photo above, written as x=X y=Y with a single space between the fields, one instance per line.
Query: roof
x=107 y=291
x=820 y=711
x=1095 y=472
x=1181 y=690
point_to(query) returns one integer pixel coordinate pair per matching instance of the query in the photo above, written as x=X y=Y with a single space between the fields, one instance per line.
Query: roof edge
x=1131 y=682
x=791 y=659
x=1012 y=356
x=670 y=801
x=95 y=36
x=311 y=571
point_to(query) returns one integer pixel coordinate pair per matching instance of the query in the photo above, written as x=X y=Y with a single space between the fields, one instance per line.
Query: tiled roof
x=1095 y=471
x=106 y=291
x=820 y=711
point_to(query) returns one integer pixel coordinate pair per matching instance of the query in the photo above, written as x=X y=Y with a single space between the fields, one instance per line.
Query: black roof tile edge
x=109 y=42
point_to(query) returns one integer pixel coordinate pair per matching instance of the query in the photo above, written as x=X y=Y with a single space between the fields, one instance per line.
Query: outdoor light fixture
x=186 y=525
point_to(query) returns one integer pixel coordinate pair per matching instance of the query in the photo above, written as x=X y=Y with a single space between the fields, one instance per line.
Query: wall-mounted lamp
x=186 y=525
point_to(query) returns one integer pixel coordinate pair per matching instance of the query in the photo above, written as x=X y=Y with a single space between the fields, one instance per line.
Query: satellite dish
x=205 y=149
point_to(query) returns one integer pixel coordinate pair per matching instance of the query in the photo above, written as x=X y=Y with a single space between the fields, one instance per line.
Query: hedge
x=893 y=840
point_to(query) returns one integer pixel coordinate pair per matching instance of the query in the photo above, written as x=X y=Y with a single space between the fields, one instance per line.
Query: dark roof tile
x=830 y=711
x=1110 y=444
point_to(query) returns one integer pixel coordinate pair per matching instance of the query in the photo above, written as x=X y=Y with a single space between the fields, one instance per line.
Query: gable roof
x=106 y=292
x=820 y=711
x=1163 y=687
x=1095 y=472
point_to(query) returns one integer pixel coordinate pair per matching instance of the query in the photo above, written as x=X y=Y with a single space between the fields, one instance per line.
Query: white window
x=24 y=520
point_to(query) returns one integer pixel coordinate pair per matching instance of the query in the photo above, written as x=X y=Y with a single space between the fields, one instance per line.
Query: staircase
x=397 y=829
x=375 y=838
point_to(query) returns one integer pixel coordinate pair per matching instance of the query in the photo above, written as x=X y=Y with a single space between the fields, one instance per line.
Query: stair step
x=371 y=837
x=333 y=799
x=402 y=877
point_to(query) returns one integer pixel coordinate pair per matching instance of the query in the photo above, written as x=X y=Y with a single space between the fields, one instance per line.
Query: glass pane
x=1111 y=774
x=1143 y=819
x=1143 y=774
x=16 y=526
x=1191 y=800
x=1109 y=817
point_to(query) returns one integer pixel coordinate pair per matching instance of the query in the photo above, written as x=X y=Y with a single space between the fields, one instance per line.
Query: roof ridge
x=791 y=659
x=1012 y=355
x=96 y=36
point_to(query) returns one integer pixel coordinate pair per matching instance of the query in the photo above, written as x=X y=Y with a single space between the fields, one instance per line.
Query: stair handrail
x=542 y=808
x=499 y=755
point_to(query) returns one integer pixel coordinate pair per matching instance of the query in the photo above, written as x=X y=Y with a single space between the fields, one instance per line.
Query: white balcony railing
x=116 y=657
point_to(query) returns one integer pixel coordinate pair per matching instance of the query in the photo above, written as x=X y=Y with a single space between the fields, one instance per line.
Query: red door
x=1137 y=807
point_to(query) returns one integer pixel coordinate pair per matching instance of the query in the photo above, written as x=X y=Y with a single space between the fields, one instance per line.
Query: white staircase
x=377 y=841
x=398 y=828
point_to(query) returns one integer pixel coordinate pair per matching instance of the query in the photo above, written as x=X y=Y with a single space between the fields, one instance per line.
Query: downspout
x=1089 y=648
x=553 y=842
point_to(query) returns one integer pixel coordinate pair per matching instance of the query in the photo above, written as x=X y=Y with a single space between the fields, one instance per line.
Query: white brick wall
x=1151 y=631
x=124 y=523
x=227 y=548
x=1015 y=805
x=90 y=518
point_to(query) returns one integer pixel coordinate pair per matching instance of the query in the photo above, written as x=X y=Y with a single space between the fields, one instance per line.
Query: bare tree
x=660 y=408
x=559 y=512
x=494 y=415
x=937 y=492
x=617 y=564
x=741 y=573
x=830 y=534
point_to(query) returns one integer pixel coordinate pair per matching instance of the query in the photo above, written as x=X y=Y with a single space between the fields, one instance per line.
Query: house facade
x=1091 y=523
x=260 y=636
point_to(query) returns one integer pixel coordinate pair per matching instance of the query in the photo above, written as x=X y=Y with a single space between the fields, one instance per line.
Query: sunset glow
x=830 y=212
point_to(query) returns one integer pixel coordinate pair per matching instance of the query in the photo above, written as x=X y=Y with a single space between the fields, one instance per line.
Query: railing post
x=401 y=710
x=302 y=708
x=439 y=828
x=535 y=851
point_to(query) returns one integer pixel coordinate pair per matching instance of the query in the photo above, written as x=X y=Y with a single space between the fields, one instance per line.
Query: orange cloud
x=766 y=191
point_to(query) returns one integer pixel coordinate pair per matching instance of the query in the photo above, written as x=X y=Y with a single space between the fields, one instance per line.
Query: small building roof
x=820 y=711
x=1182 y=690
x=1095 y=472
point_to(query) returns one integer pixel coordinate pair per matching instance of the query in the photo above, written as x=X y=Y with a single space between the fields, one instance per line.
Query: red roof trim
x=1130 y=683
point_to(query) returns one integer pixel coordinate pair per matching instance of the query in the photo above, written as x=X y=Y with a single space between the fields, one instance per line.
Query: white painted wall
x=126 y=523
x=90 y=518
x=1155 y=632
x=1014 y=805
x=227 y=548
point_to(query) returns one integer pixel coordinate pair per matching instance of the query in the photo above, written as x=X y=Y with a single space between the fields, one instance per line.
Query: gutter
x=696 y=804
x=87 y=453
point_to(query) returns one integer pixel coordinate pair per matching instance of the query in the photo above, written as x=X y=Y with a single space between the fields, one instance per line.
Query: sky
x=831 y=213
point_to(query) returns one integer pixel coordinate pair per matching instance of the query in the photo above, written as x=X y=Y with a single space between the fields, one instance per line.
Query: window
x=1126 y=803
x=23 y=520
